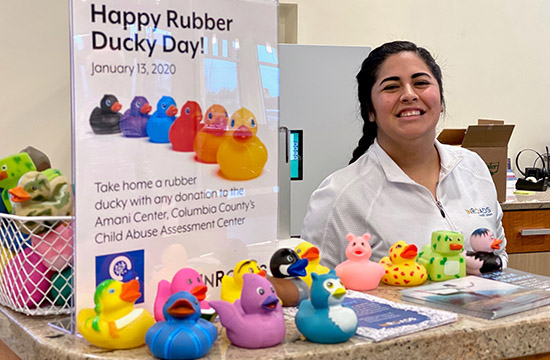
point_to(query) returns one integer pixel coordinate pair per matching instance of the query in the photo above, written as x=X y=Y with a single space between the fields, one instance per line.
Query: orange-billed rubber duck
x=242 y=155
x=211 y=134
x=400 y=266
x=232 y=285
x=307 y=250
x=184 y=129
x=483 y=258
x=105 y=119
x=134 y=121
x=186 y=279
x=11 y=170
x=114 y=323
x=256 y=319
x=159 y=123
x=184 y=335
x=323 y=318
x=443 y=259
x=359 y=272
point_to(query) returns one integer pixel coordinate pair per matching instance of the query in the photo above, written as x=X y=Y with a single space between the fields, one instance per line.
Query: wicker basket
x=36 y=264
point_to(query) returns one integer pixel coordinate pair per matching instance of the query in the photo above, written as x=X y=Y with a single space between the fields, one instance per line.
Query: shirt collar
x=448 y=160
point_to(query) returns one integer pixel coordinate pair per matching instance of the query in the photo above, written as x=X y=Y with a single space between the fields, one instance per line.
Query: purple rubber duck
x=256 y=319
x=134 y=120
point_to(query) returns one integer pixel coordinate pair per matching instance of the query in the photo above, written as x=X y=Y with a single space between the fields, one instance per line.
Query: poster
x=175 y=123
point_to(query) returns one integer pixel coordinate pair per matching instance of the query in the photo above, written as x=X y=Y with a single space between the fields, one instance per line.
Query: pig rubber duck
x=307 y=250
x=105 y=119
x=401 y=268
x=184 y=335
x=483 y=258
x=159 y=123
x=184 y=129
x=323 y=318
x=11 y=170
x=134 y=121
x=358 y=272
x=114 y=323
x=287 y=268
x=256 y=319
x=186 y=279
x=233 y=285
x=443 y=259
x=242 y=155
x=210 y=136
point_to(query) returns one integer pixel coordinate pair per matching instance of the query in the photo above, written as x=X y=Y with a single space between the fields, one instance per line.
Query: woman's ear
x=372 y=118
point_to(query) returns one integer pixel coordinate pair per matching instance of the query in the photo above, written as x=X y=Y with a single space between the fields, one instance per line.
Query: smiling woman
x=401 y=184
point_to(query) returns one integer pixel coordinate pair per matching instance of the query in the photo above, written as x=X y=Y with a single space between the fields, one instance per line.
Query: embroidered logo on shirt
x=483 y=212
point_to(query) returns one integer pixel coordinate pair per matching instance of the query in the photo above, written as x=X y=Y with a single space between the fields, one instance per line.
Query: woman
x=402 y=184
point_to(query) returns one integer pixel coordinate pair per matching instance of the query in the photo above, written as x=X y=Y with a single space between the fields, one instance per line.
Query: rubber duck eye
x=398 y=246
x=226 y=114
x=250 y=270
x=189 y=281
x=4 y=167
x=353 y=244
x=273 y=290
x=34 y=188
x=198 y=279
x=260 y=291
x=298 y=251
x=163 y=106
x=252 y=122
x=210 y=115
x=108 y=102
x=111 y=291
x=232 y=122
x=138 y=104
x=330 y=284
x=290 y=258
x=187 y=111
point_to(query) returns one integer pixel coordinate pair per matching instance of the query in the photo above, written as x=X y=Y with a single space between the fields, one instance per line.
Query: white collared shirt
x=374 y=195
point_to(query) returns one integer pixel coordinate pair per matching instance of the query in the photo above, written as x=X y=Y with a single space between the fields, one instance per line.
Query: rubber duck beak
x=270 y=303
x=18 y=194
x=172 y=110
x=146 y=108
x=199 y=292
x=298 y=268
x=262 y=273
x=130 y=291
x=455 y=247
x=181 y=308
x=496 y=244
x=311 y=254
x=339 y=293
x=409 y=252
x=3 y=175
x=242 y=134
x=116 y=107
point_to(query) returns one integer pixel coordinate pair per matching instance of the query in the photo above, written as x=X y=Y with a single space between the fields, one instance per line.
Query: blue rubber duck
x=105 y=119
x=134 y=121
x=159 y=123
x=184 y=335
x=323 y=318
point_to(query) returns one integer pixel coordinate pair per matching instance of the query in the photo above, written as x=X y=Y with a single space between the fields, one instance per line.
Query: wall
x=494 y=56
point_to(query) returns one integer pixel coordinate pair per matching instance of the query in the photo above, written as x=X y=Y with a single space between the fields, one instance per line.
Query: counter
x=518 y=335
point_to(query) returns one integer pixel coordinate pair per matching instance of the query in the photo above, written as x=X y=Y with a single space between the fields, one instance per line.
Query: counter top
x=518 y=335
x=537 y=201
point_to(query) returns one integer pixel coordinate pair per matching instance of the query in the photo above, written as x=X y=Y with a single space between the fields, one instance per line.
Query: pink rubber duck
x=358 y=272
x=186 y=279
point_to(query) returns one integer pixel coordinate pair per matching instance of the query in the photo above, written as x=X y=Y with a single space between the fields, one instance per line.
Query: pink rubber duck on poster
x=358 y=272
x=186 y=279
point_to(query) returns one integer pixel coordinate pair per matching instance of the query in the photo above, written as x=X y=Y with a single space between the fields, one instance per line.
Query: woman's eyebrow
x=391 y=78
x=420 y=74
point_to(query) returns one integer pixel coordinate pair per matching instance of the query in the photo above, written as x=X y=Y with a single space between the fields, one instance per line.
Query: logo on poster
x=122 y=267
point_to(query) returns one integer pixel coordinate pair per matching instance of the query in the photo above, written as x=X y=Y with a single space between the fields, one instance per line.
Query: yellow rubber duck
x=114 y=323
x=233 y=285
x=308 y=251
x=401 y=268
x=211 y=134
x=242 y=155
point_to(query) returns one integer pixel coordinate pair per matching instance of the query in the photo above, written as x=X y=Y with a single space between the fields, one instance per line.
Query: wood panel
x=516 y=221
x=6 y=353
x=536 y=263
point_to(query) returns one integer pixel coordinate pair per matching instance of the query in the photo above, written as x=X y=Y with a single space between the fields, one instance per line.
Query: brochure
x=381 y=319
x=477 y=296
x=521 y=278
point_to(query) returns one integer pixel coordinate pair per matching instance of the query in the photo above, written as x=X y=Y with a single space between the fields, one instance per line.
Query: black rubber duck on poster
x=105 y=119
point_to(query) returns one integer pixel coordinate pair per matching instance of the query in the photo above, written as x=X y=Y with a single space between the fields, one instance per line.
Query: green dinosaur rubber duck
x=11 y=169
x=443 y=259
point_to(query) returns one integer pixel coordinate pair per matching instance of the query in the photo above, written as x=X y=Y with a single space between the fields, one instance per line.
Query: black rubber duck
x=105 y=119
x=286 y=268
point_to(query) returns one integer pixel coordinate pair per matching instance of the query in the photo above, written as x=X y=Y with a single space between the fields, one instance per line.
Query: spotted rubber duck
x=11 y=169
x=401 y=268
x=443 y=259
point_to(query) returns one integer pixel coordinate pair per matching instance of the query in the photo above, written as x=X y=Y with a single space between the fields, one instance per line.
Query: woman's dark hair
x=367 y=77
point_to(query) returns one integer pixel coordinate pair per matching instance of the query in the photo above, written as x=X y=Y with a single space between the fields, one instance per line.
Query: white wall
x=494 y=55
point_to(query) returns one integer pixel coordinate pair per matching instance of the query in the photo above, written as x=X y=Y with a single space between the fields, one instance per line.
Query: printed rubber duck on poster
x=184 y=129
x=159 y=123
x=114 y=323
x=256 y=319
x=443 y=259
x=233 y=285
x=105 y=119
x=323 y=318
x=483 y=259
x=210 y=136
x=358 y=272
x=307 y=250
x=133 y=122
x=11 y=169
x=242 y=155
x=183 y=335
x=186 y=279
x=287 y=269
x=400 y=266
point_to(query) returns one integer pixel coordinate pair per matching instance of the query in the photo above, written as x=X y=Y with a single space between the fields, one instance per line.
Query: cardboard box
x=489 y=139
